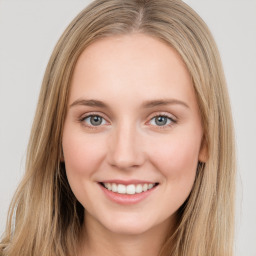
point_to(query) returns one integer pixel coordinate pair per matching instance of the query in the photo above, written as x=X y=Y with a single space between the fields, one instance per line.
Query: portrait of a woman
x=132 y=146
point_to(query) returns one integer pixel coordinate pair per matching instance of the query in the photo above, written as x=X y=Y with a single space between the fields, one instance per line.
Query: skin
x=125 y=73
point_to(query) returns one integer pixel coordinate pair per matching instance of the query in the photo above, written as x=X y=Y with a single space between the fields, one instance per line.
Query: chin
x=132 y=230
x=129 y=225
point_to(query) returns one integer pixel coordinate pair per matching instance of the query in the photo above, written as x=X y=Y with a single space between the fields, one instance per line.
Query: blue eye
x=161 y=120
x=94 y=120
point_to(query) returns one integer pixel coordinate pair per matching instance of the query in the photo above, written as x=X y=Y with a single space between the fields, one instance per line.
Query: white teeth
x=150 y=186
x=121 y=189
x=138 y=188
x=109 y=186
x=130 y=189
x=145 y=187
x=114 y=187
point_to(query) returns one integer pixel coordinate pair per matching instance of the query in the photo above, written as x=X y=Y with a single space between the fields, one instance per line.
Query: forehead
x=134 y=64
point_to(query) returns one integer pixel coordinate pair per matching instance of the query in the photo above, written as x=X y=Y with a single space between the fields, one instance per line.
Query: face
x=132 y=135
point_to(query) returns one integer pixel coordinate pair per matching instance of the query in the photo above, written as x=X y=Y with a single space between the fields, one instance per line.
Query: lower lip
x=125 y=198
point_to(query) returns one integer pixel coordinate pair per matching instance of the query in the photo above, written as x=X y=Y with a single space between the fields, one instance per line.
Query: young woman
x=131 y=150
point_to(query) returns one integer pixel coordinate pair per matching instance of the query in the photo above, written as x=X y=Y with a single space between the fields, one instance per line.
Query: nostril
x=124 y=152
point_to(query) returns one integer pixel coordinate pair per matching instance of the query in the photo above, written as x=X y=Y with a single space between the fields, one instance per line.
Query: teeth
x=130 y=189
x=114 y=187
x=150 y=186
x=138 y=188
x=109 y=186
x=121 y=189
x=145 y=187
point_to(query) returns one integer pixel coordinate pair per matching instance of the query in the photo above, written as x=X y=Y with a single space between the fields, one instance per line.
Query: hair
x=45 y=218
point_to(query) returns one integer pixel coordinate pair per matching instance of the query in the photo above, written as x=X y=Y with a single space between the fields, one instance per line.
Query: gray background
x=28 y=33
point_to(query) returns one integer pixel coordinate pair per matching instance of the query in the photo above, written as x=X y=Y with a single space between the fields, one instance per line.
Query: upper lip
x=127 y=182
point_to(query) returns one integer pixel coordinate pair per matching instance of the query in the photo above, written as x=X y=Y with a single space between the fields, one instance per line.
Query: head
x=208 y=208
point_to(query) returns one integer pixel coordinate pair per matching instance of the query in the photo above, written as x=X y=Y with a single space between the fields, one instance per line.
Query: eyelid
x=171 y=116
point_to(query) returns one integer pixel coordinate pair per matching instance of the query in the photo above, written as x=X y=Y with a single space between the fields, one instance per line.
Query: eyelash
x=82 y=120
x=171 y=119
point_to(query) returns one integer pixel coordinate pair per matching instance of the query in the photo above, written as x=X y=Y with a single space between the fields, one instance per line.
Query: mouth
x=129 y=189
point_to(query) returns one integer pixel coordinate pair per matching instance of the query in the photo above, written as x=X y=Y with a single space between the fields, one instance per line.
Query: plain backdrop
x=29 y=30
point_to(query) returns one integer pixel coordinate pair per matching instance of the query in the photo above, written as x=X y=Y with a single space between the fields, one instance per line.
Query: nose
x=125 y=148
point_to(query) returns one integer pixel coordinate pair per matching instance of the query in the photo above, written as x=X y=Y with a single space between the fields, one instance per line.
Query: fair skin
x=132 y=119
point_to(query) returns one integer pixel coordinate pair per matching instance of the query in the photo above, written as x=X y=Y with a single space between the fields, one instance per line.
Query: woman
x=132 y=143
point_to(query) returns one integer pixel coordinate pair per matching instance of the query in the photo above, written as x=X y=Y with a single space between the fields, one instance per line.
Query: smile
x=130 y=189
x=127 y=192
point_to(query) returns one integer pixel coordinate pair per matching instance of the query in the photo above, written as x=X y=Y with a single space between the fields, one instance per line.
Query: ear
x=203 y=153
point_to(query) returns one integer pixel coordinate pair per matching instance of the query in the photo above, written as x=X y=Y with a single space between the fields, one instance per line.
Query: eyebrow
x=90 y=103
x=146 y=104
x=163 y=102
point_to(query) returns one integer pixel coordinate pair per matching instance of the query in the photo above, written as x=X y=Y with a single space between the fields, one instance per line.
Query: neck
x=97 y=240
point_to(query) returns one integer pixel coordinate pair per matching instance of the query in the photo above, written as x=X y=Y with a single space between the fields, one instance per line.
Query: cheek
x=176 y=158
x=82 y=157
x=82 y=154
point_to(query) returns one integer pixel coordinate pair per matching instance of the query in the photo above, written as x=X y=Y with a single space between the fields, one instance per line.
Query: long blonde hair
x=45 y=218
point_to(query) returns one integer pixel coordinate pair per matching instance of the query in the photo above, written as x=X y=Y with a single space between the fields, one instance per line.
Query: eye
x=94 y=120
x=161 y=120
